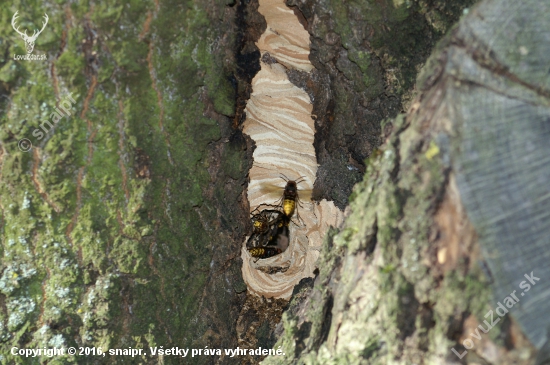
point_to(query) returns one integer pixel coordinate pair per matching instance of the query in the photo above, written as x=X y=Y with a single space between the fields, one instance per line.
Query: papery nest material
x=279 y=120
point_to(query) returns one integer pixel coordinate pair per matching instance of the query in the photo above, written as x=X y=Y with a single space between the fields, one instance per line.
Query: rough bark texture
x=122 y=226
x=367 y=55
x=353 y=92
x=404 y=280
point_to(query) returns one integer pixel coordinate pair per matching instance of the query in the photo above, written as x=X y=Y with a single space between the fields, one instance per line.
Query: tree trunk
x=123 y=225
x=445 y=236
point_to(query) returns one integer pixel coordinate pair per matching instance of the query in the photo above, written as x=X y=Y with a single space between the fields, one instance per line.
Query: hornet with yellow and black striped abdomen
x=270 y=227
x=264 y=252
x=270 y=235
x=265 y=226
x=290 y=197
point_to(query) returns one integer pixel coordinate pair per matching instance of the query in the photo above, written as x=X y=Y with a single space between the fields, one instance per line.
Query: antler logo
x=29 y=41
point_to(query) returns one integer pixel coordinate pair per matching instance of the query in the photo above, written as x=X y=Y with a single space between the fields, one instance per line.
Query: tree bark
x=123 y=225
x=447 y=225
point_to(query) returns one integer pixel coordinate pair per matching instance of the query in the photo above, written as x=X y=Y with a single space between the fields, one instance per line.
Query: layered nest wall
x=279 y=120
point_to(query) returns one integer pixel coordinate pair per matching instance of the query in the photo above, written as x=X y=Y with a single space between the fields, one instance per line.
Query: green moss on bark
x=376 y=274
x=104 y=224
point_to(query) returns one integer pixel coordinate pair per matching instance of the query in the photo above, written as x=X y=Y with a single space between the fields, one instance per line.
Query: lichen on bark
x=407 y=279
x=109 y=222
x=367 y=55
x=122 y=226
